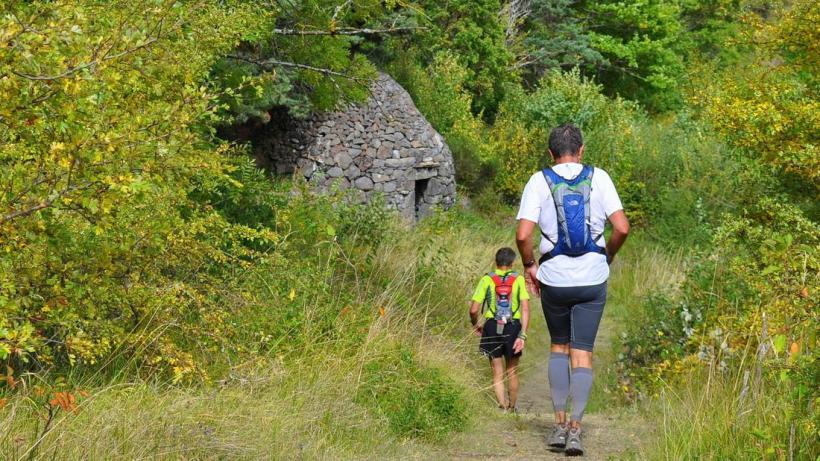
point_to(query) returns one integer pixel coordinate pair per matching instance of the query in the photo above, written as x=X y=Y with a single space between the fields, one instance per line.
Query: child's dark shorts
x=493 y=345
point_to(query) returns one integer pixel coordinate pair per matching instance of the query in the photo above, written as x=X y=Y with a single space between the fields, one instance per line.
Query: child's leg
x=497 y=363
x=512 y=379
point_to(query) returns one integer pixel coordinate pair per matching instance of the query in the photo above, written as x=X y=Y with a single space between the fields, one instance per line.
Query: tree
x=554 y=37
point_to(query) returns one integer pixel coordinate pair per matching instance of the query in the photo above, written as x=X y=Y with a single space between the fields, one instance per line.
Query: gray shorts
x=573 y=313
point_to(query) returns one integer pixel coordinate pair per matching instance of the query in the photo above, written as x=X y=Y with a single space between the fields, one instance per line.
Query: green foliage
x=555 y=38
x=753 y=291
x=417 y=400
x=722 y=414
x=712 y=27
x=472 y=31
x=768 y=107
x=638 y=40
x=101 y=142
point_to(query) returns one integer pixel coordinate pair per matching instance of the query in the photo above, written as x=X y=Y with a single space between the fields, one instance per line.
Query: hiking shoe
x=558 y=439
x=573 y=447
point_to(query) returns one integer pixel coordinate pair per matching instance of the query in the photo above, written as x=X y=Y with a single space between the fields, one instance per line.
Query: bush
x=417 y=400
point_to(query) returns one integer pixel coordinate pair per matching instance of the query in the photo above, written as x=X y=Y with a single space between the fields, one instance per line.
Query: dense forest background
x=145 y=262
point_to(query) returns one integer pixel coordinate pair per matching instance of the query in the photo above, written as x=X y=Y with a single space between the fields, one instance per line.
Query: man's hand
x=531 y=277
x=478 y=329
x=518 y=346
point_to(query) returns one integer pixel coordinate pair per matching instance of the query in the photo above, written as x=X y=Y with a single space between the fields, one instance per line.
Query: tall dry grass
x=723 y=414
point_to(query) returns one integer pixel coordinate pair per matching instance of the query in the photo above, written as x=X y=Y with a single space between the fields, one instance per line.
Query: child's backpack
x=503 y=295
x=571 y=198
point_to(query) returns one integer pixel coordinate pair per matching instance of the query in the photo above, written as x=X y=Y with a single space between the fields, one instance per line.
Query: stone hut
x=382 y=146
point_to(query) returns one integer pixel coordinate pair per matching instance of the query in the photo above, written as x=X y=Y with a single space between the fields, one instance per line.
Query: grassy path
x=609 y=427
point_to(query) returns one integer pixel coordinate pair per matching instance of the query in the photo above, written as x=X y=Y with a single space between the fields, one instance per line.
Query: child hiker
x=503 y=299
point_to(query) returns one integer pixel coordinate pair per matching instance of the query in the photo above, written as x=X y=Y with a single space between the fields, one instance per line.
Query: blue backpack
x=571 y=198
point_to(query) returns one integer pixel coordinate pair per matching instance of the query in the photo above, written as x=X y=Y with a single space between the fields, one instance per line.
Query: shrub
x=417 y=400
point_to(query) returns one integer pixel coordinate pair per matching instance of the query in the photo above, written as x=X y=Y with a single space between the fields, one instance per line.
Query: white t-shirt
x=537 y=206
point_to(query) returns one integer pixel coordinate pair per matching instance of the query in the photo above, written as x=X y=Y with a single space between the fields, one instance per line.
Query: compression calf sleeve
x=559 y=380
x=580 y=386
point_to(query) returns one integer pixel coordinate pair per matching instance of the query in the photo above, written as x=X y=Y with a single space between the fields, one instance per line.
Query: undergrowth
x=334 y=351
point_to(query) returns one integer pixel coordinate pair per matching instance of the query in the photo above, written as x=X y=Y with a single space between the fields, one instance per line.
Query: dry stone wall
x=383 y=146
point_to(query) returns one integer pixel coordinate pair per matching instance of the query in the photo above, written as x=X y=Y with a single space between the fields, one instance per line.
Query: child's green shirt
x=486 y=290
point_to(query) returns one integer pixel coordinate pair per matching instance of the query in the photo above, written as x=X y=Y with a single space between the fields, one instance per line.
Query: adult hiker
x=570 y=202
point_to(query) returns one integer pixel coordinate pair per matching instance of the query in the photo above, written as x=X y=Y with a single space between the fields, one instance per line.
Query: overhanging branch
x=270 y=64
x=347 y=31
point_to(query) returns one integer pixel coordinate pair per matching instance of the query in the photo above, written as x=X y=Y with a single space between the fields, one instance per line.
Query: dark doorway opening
x=421 y=190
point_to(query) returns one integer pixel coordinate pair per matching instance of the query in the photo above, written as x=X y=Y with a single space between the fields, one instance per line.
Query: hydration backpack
x=503 y=295
x=571 y=198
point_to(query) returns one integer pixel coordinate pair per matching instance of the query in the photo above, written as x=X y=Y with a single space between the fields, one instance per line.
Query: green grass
x=709 y=416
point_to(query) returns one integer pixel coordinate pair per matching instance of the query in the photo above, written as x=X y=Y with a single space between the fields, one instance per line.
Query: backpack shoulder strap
x=488 y=296
x=587 y=172
x=552 y=178
x=515 y=276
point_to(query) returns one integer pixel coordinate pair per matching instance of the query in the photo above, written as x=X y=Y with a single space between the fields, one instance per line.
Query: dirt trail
x=608 y=434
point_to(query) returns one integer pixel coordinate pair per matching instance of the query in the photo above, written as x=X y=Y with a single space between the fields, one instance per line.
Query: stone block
x=343 y=160
x=364 y=183
x=425 y=173
x=377 y=178
x=407 y=186
x=383 y=152
x=353 y=172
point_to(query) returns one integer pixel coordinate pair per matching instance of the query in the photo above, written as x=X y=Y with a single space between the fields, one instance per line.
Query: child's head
x=504 y=257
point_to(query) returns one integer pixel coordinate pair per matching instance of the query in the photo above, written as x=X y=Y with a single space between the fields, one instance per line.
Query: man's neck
x=504 y=268
x=568 y=159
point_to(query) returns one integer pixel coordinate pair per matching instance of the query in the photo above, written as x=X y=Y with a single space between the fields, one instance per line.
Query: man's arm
x=523 y=239
x=620 y=230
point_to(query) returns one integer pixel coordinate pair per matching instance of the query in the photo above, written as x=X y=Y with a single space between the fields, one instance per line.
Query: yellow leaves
x=57 y=147
x=292 y=294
